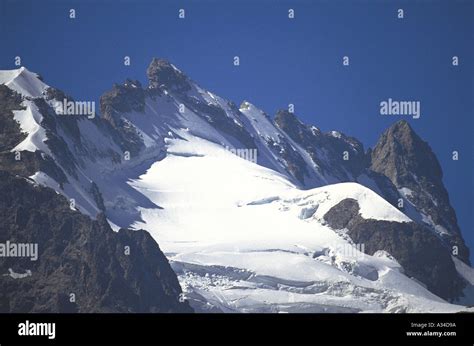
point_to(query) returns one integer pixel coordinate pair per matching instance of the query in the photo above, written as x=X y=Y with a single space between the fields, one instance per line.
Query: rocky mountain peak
x=402 y=155
x=410 y=164
x=403 y=132
x=122 y=98
x=286 y=120
x=161 y=73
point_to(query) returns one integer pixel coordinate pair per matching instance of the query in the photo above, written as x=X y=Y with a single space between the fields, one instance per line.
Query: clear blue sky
x=282 y=61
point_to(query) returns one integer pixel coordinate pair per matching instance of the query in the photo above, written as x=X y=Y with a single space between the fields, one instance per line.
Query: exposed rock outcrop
x=161 y=73
x=415 y=247
x=82 y=265
x=410 y=164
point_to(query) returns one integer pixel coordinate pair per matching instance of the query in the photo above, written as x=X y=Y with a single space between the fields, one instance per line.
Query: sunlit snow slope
x=242 y=238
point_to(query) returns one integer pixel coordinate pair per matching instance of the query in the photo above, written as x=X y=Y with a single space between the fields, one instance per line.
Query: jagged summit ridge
x=162 y=73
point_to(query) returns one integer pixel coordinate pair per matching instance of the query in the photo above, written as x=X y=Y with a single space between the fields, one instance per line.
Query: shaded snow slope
x=467 y=273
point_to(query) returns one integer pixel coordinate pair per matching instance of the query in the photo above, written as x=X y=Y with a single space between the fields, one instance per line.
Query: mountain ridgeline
x=91 y=162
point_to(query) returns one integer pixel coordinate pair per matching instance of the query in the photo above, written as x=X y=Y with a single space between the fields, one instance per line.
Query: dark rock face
x=55 y=142
x=122 y=99
x=400 y=152
x=10 y=132
x=339 y=216
x=56 y=94
x=416 y=248
x=78 y=256
x=52 y=121
x=326 y=150
x=293 y=161
x=31 y=163
x=97 y=195
x=161 y=73
x=409 y=162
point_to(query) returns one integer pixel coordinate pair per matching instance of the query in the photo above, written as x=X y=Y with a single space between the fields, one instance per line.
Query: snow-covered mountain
x=254 y=214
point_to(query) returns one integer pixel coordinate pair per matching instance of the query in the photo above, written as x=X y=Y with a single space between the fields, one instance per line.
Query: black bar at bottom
x=219 y=329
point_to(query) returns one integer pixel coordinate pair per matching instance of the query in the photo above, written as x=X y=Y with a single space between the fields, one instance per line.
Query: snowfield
x=242 y=238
